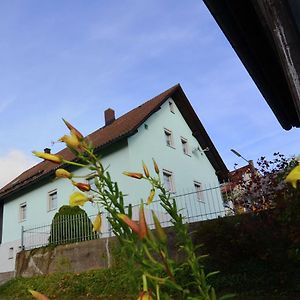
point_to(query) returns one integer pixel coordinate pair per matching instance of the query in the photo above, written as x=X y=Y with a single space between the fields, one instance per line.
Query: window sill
x=170 y=146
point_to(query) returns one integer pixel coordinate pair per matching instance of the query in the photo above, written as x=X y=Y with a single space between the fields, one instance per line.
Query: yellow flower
x=97 y=223
x=70 y=140
x=151 y=196
x=62 y=173
x=78 y=198
x=294 y=176
x=38 y=295
x=134 y=175
x=146 y=171
x=50 y=157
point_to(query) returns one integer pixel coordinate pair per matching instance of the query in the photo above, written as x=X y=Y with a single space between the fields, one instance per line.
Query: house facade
x=165 y=128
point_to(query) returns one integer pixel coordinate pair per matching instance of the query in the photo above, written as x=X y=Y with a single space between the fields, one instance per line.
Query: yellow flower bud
x=151 y=196
x=146 y=171
x=84 y=187
x=132 y=224
x=97 y=223
x=155 y=166
x=134 y=175
x=62 y=173
x=50 y=157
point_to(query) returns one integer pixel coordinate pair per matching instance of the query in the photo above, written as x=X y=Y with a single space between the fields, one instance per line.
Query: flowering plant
x=148 y=250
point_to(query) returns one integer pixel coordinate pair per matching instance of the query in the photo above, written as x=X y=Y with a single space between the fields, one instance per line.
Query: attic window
x=169 y=137
x=185 y=146
x=198 y=190
x=172 y=107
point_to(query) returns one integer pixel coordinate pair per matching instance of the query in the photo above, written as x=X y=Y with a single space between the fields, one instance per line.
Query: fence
x=194 y=206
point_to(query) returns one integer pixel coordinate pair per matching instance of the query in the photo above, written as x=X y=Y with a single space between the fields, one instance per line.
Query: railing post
x=22 y=238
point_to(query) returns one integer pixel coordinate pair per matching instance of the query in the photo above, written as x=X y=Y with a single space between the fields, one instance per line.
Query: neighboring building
x=165 y=128
x=265 y=34
x=233 y=191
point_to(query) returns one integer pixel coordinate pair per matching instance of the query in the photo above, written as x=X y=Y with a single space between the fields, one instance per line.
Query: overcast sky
x=74 y=59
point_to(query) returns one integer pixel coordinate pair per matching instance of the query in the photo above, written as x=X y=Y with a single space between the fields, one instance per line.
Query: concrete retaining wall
x=5 y=276
x=76 y=257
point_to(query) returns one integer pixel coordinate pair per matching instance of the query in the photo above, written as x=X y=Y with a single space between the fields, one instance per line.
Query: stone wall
x=76 y=257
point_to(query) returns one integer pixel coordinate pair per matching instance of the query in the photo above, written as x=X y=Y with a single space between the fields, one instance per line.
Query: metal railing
x=194 y=206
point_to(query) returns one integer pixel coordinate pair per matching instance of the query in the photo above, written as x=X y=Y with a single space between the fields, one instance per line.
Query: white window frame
x=50 y=200
x=170 y=186
x=10 y=252
x=169 y=138
x=199 y=191
x=185 y=146
x=22 y=212
x=172 y=106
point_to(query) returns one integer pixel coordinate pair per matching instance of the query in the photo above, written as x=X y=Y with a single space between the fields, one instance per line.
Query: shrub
x=71 y=225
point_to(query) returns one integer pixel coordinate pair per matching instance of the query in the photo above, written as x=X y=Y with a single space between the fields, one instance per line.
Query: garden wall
x=76 y=257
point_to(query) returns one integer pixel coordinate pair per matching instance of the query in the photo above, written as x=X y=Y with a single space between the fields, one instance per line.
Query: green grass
x=96 y=284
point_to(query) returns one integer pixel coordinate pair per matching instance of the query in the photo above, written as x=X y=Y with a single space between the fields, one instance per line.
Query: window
x=11 y=253
x=185 y=147
x=172 y=107
x=199 y=191
x=169 y=138
x=52 y=200
x=169 y=181
x=22 y=212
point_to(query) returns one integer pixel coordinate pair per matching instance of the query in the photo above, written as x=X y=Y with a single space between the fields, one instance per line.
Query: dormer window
x=169 y=137
x=172 y=107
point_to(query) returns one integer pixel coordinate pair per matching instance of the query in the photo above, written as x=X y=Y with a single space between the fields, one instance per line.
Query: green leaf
x=228 y=296
x=212 y=274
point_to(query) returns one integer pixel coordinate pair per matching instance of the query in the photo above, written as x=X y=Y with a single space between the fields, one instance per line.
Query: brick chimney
x=109 y=116
x=47 y=150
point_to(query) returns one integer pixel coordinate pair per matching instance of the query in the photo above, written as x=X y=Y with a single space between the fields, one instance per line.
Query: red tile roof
x=121 y=128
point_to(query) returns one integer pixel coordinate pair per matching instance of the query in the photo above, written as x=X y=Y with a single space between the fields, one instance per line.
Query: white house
x=165 y=128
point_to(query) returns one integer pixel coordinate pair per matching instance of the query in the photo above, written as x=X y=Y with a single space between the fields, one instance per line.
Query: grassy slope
x=98 y=284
